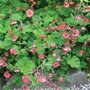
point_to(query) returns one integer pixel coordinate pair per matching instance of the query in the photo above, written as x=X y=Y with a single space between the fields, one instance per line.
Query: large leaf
x=74 y=62
x=62 y=11
x=16 y=16
x=25 y=65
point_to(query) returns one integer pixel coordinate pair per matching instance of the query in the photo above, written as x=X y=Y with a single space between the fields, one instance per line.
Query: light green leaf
x=74 y=62
x=16 y=17
x=25 y=65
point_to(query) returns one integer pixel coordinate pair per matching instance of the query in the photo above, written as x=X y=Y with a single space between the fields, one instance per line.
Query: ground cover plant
x=41 y=40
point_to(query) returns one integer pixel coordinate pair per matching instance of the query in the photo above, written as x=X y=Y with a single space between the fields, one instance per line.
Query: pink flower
x=83 y=28
x=37 y=73
x=86 y=8
x=33 y=50
x=52 y=45
x=2 y=62
x=13 y=22
x=71 y=3
x=58 y=58
x=31 y=0
x=57 y=89
x=16 y=70
x=72 y=38
x=68 y=28
x=81 y=52
x=60 y=79
x=53 y=85
x=12 y=51
x=24 y=87
x=5 y=65
x=50 y=75
x=78 y=17
x=4 y=58
x=64 y=52
x=7 y=74
x=29 y=13
x=62 y=25
x=17 y=9
x=47 y=29
x=41 y=56
x=6 y=54
x=75 y=32
x=85 y=20
x=66 y=48
x=33 y=45
x=34 y=3
x=41 y=79
x=56 y=64
x=42 y=36
x=67 y=42
x=73 y=44
x=14 y=38
x=56 y=28
x=10 y=31
x=85 y=43
x=65 y=35
x=25 y=79
x=66 y=4
x=50 y=84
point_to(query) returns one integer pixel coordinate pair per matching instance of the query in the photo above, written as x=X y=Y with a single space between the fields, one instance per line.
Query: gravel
x=79 y=87
x=82 y=86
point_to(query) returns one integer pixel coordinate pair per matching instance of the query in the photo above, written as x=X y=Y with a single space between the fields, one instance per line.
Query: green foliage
x=51 y=39
x=17 y=80
x=74 y=62
x=25 y=65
